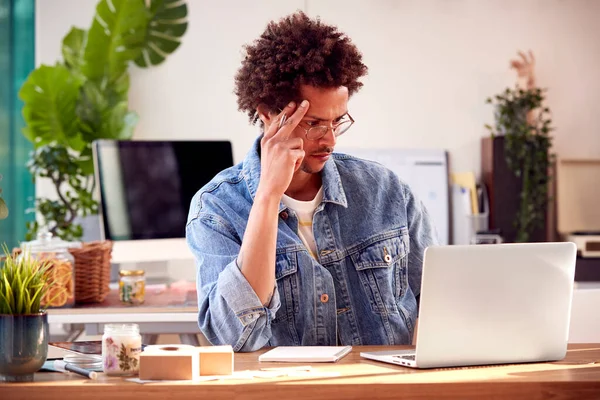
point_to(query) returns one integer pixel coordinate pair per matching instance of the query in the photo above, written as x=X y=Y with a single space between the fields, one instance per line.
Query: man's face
x=327 y=107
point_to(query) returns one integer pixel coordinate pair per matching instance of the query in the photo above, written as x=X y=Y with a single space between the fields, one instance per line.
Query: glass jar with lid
x=61 y=268
x=121 y=348
x=132 y=286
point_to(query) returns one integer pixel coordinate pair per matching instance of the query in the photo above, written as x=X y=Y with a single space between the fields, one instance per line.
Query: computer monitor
x=146 y=188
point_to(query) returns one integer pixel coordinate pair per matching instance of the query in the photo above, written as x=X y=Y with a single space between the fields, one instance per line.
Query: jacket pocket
x=286 y=275
x=381 y=264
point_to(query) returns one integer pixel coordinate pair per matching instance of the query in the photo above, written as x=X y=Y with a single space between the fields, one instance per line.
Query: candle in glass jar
x=121 y=348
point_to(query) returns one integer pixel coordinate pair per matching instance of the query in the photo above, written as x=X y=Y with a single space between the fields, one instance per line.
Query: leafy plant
x=74 y=189
x=22 y=284
x=525 y=122
x=3 y=207
x=85 y=97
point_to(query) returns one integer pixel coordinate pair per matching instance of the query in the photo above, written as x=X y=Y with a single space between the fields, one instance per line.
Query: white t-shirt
x=305 y=211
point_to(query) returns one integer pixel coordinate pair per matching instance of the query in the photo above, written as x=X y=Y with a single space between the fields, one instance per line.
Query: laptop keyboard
x=408 y=357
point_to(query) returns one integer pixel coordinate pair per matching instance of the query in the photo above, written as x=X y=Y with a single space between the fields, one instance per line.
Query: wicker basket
x=92 y=271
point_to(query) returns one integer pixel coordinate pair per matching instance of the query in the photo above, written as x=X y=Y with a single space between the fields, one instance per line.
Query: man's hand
x=281 y=155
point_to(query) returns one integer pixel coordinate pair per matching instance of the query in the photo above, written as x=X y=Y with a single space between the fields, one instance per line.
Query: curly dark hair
x=294 y=51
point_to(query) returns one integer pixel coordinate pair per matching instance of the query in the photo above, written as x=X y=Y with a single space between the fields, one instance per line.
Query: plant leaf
x=36 y=299
x=121 y=122
x=8 y=295
x=72 y=48
x=3 y=209
x=167 y=25
x=4 y=304
x=50 y=96
x=20 y=308
x=103 y=114
x=115 y=38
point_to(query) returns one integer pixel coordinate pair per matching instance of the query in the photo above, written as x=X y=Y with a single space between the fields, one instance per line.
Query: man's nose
x=329 y=136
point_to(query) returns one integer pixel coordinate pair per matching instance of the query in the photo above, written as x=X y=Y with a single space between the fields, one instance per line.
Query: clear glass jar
x=121 y=348
x=61 y=272
x=132 y=286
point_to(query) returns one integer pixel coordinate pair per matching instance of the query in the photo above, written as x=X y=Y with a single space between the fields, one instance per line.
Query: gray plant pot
x=23 y=346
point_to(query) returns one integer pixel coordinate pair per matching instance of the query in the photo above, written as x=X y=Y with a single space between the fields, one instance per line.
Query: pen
x=64 y=367
x=283 y=119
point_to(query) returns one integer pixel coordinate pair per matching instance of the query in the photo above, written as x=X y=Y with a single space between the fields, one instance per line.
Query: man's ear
x=265 y=114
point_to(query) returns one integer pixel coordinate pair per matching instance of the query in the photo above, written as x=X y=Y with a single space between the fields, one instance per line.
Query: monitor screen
x=146 y=186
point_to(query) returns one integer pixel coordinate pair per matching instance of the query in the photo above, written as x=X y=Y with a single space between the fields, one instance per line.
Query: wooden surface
x=575 y=377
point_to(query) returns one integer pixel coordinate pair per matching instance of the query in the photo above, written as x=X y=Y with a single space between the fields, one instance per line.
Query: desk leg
x=189 y=338
x=75 y=330
x=148 y=338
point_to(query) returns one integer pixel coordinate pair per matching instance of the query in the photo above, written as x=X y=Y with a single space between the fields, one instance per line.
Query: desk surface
x=575 y=377
x=160 y=305
x=157 y=299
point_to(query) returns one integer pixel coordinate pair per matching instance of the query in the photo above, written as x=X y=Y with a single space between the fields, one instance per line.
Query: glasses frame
x=331 y=126
x=306 y=130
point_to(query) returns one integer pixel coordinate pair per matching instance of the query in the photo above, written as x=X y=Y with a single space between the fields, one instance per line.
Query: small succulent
x=3 y=208
x=23 y=283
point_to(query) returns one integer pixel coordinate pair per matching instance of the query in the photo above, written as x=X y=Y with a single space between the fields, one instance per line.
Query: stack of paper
x=305 y=353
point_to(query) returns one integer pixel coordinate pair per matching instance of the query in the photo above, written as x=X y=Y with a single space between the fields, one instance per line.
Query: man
x=297 y=245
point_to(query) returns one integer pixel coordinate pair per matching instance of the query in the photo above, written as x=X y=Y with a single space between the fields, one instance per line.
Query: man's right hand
x=281 y=154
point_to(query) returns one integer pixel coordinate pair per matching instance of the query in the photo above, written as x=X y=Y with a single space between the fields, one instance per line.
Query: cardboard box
x=182 y=362
x=216 y=360
x=169 y=363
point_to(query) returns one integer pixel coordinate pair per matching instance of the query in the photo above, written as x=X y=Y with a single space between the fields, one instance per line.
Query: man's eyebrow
x=324 y=119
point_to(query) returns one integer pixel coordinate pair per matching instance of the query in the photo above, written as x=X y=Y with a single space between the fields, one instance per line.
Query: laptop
x=491 y=304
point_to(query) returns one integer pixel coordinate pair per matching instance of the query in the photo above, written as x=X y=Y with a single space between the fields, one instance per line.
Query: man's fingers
x=274 y=127
x=295 y=143
x=298 y=154
x=292 y=122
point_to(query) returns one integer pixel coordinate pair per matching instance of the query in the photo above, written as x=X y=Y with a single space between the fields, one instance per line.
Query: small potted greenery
x=520 y=137
x=23 y=320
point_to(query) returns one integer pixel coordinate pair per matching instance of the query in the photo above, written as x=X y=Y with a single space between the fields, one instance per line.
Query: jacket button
x=324 y=298
x=284 y=215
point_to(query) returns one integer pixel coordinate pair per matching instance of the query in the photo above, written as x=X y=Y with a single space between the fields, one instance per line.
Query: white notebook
x=305 y=353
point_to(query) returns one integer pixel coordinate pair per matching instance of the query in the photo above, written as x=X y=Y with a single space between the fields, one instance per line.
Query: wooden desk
x=575 y=377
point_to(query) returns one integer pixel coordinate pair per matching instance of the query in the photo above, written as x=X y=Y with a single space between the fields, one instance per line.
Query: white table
x=159 y=317
x=164 y=312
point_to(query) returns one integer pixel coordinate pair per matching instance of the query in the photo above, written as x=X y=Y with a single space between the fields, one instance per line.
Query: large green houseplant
x=524 y=121
x=23 y=320
x=85 y=97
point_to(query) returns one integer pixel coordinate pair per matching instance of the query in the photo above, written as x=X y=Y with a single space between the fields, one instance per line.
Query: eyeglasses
x=318 y=131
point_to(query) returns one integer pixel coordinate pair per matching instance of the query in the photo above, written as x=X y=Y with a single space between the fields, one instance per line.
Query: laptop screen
x=146 y=186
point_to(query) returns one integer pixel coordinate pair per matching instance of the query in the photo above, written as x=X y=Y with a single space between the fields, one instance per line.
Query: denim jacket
x=370 y=233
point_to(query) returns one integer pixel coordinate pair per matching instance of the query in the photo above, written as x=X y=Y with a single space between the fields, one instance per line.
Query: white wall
x=432 y=64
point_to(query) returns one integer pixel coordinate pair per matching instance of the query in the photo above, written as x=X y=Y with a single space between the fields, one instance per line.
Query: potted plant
x=23 y=321
x=85 y=97
x=521 y=144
